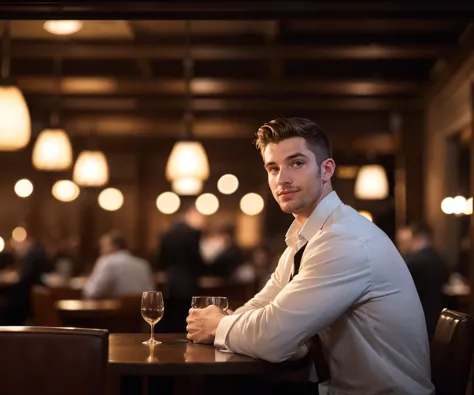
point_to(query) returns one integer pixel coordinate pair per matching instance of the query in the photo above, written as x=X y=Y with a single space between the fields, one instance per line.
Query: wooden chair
x=44 y=311
x=53 y=361
x=451 y=352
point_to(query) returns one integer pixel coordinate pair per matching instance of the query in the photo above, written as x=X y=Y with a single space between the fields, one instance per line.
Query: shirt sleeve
x=100 y=281
x=334 y=274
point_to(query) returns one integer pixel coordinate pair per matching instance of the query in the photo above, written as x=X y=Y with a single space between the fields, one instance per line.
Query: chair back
x=53 y=361
x=451 y=352
x=45 y=313
x=130 y=318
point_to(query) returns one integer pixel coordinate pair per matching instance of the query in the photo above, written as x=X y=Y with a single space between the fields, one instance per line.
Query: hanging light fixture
x=371 y=183
x=187 y=165
x=91 y=169
x=15 y=123
x=52 y=150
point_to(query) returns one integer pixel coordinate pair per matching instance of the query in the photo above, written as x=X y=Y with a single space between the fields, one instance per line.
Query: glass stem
x=152 y=332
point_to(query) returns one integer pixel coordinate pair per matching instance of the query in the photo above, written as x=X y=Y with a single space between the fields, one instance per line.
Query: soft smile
x=287 y=193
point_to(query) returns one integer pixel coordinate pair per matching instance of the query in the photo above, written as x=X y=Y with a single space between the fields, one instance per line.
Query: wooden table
x=177 y=357
x=89 y=308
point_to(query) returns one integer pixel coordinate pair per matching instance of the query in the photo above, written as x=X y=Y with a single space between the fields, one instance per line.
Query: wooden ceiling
x=297 y=59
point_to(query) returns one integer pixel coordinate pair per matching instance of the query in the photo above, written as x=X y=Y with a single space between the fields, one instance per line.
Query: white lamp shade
x=186 y=186
x=15 y=123
x=52 y=150
x=371 y=183
x=65 y=191
x=91 y=169
x=187 y=159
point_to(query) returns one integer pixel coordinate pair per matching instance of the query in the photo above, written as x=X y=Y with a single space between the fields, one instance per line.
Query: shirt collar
x=315 y=221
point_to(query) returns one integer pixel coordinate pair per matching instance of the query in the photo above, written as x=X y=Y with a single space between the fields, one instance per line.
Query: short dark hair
x=421 y=229
x=284 y=128
x=118 y=240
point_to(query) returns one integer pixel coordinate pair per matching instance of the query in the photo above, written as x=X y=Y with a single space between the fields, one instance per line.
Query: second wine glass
x=152 y=309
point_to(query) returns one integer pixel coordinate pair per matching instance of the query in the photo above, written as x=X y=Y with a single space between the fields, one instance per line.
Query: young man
x=352 y=286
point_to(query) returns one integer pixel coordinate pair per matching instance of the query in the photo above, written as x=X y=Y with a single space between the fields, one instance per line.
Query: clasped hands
x=202 y=324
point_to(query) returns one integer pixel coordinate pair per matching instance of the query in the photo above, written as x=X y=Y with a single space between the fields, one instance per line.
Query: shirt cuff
x=223 y=330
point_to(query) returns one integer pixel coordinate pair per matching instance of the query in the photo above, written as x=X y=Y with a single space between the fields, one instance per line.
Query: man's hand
x=202 y=324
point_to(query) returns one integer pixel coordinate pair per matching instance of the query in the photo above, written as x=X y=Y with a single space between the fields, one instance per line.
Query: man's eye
x=298 y=163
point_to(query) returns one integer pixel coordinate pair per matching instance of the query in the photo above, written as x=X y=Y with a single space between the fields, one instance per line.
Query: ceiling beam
x=211 y=86
x=103 y=9
x=224 y=105
x=126 y=50
x=211 y=128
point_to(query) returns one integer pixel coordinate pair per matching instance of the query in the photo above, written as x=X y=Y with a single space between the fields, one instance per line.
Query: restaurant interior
x=116 y=118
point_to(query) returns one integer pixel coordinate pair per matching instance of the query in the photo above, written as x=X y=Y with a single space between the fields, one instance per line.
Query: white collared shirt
x=354 y=289
x=119 y=274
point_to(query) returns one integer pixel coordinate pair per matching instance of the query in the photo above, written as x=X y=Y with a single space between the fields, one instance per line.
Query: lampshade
x=186 y=186
x=91 y=169
x=15 y=123
x=371 y=183
x=187 y=159
x=52 y=150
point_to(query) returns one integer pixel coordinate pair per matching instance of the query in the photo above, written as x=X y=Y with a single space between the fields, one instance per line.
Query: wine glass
x=201 y=302
x=152 y=311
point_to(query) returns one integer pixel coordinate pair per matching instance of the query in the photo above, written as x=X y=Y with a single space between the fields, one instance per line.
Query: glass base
x=151 y=341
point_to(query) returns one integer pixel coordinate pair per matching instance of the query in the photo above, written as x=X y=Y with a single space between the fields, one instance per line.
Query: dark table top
x=177 y=356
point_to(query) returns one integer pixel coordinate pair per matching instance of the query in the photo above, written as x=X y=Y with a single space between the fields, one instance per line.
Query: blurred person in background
x=180 y=256
x=428 y=270
x=117 y=272
x=33 y=262
x=227 y=254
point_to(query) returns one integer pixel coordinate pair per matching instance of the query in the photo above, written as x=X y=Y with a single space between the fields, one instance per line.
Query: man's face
x=106 y=245
x=404 y=241
x=293 y=176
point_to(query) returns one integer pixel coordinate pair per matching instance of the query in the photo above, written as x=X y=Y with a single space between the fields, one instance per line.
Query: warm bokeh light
x=65 y=190
x=186 y=186
x=207 y=204
x=187 y=159
x=52 y=150
x=168 y=202
x=371 y=183
x=24 y=188
x=252 y=204
x=19 y=234
x=447 y=205
x=459 y=204
x=111 y=199
x=367 y=215
x=15 y=122
x=228 y=184
x=468 y=209
x=62 y=28
x=2 y=244
x=91 y=169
